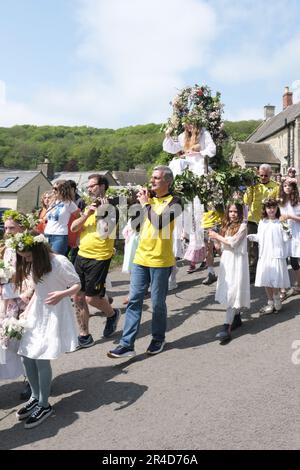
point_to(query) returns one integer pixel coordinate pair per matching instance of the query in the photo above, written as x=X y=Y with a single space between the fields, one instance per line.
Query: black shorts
x=92 y=273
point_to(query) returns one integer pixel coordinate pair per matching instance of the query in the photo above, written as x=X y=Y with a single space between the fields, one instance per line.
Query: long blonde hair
x=191 y=138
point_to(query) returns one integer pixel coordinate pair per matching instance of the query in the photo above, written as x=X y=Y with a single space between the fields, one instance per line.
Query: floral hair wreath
x=25 y=241
x=272 y=201
x=28 y=221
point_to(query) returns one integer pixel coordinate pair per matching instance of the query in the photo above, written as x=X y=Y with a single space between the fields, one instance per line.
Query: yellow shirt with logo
x=155 y=249
x=91 y=245
x=256 y=194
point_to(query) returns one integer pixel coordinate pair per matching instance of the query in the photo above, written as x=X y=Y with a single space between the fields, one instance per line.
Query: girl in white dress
x=51 y=326
x=290 y=213
x=233 y=286
x=272 y=272
x=197 y=144
x=13 y=301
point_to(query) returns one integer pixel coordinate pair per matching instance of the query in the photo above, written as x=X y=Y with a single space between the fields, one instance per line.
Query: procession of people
x=255 y=236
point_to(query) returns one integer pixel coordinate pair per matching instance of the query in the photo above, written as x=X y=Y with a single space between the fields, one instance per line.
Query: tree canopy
x=87 y=148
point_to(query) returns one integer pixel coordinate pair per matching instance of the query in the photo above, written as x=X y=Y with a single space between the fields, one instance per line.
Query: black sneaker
x=155 y=347
x=111 y=323
x=27 y=409
x=121 y=351
x=224 y=334
x=210 y=279
x=26 y=393
x=85 y=342
x=237 y=322
x=38 y=416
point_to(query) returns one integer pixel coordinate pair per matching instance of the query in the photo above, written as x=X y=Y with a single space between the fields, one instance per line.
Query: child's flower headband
x=24 y=241
x=27 y=221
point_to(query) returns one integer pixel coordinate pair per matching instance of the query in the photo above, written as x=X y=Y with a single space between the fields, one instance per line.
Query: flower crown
x=24 y=241
x=28 y=221
x=272 y=201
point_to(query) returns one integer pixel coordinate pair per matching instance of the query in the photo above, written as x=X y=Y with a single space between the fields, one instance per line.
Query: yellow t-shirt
x=91 y=245
x=155 y=249
x=256 y=194
x=211 y=218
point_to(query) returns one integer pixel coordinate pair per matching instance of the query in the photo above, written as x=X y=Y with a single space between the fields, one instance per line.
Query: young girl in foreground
x=272 y=272
x=290 y=213
x=51 y=326
x=233 y=286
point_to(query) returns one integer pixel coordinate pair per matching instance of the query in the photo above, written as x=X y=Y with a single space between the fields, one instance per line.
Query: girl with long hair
x=51 y=326
x=58 y=216
x=290 y=213
x=272 y=272
x=196 y=145
x=233 y=285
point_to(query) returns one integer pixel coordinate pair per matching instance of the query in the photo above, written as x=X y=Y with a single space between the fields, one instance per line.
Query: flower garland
x=197 y=105
x=24 y=241
x=28 y=221
x=216 y=188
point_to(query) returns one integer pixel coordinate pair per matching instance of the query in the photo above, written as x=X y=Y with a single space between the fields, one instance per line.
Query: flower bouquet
x=6 y=271
x=11 y=328
x=286 y=229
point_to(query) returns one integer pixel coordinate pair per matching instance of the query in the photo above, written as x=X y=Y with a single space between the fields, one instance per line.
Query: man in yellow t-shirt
x=253 y=199
x=93 y=259
x=152 y=263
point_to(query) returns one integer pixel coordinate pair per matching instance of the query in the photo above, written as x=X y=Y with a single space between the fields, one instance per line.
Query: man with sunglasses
x=253 y=198
x=93 y=260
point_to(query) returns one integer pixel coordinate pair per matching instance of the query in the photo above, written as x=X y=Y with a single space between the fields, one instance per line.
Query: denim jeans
x=58 y=243
x=141 y=277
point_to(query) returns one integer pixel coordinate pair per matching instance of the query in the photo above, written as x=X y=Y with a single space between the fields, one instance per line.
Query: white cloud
x=249 y=64
x=266 y=47
x=131 y=55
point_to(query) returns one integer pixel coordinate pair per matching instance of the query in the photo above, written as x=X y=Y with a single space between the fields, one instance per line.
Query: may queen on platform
x=195 y=144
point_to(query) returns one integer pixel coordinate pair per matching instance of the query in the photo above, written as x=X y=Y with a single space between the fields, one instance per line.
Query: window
x=7 y=181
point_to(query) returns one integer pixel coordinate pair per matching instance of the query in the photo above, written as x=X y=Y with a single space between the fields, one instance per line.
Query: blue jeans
x=141 y=277
x=58 y=243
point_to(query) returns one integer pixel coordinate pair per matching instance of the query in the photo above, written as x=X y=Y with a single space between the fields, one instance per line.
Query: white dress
x=195 y=163
x=11 y=366
x=294 y=226
x=271 y=268
x=178 y=165
x=233 y=285
x=51 y=328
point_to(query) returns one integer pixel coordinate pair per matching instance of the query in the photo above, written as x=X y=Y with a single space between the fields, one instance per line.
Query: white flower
x=40 y=239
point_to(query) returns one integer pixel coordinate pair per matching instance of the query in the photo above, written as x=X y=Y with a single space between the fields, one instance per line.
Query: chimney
x=47 y=168
x=269 y=111
x=287 y=99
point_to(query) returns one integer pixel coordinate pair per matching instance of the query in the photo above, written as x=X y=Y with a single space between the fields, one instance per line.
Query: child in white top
x=233 y=286
x=51 y=326
x=272 y=272
x=290 y=213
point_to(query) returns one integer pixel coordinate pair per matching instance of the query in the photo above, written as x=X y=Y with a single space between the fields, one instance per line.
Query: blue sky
x=115 y=63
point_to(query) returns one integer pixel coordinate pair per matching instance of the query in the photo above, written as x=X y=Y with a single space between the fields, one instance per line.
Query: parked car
x=2 y=210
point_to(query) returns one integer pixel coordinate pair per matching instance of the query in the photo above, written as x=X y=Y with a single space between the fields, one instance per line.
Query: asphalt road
x=196 y=394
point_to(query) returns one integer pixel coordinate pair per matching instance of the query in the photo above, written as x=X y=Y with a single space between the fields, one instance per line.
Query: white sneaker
x=269 y=308
x=277 y=303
